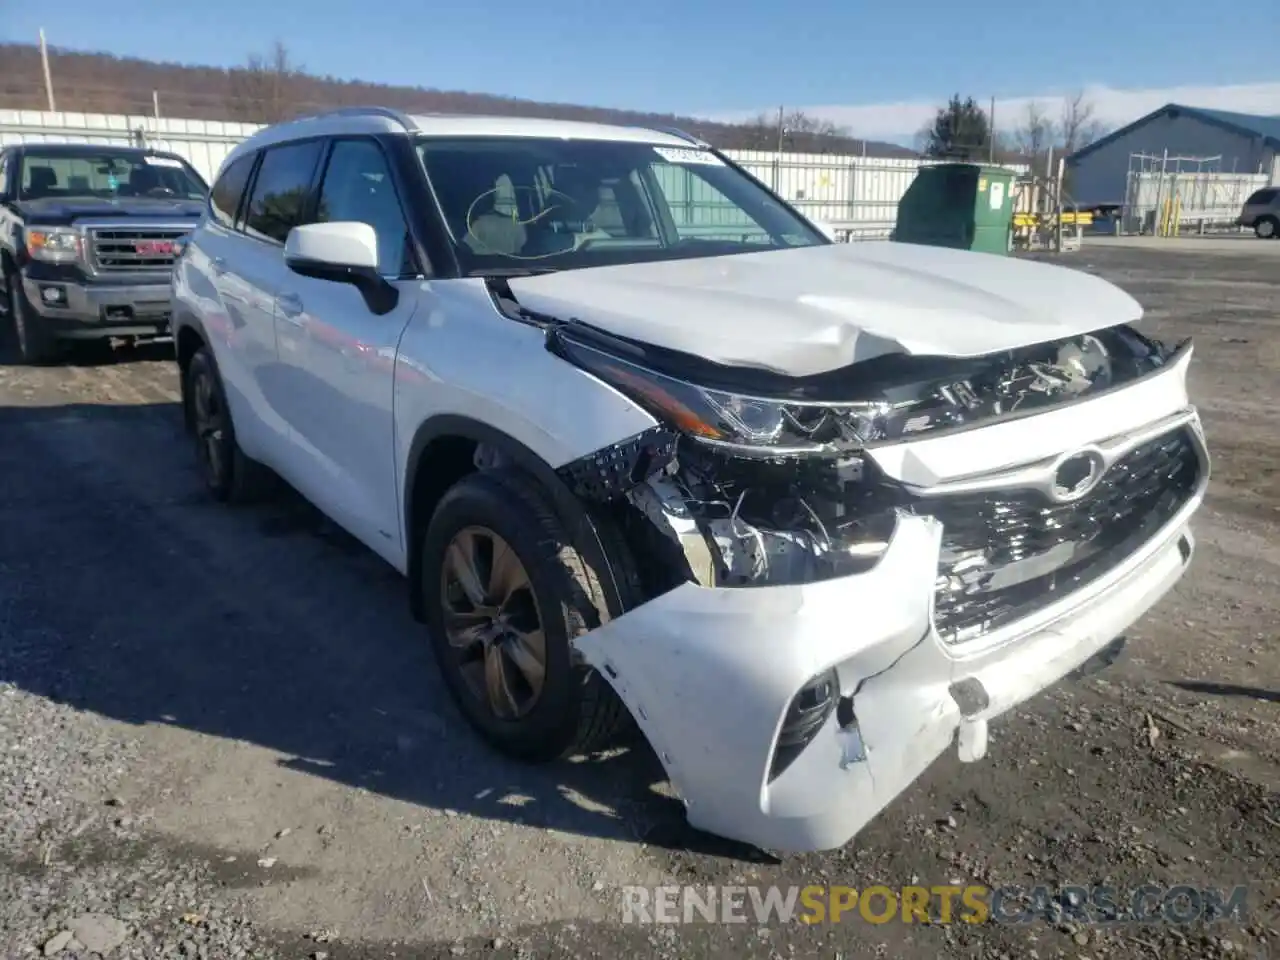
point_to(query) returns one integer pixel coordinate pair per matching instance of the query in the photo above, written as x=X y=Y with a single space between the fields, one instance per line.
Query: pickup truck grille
x=133 y=249
x=1006 y=557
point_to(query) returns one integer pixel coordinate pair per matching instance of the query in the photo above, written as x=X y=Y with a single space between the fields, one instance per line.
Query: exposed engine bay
x=746 y=491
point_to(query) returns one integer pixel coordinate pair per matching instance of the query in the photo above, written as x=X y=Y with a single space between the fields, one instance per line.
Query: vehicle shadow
x=126 y=591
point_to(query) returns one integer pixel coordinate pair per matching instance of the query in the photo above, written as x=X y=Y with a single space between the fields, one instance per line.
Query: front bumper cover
x=709 y=674
x=106 y=309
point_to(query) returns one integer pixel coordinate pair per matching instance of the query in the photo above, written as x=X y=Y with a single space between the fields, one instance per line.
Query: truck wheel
x=1267 y=228
x=35 y=345
x=228 y=473
x=505 y=591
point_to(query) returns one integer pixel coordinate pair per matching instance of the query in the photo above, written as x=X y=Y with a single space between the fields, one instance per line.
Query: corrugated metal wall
x=205 y=143
x=858 y=194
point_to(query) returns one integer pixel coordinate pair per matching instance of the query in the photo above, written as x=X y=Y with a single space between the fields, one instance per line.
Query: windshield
x=515 y=204
x=106 y=176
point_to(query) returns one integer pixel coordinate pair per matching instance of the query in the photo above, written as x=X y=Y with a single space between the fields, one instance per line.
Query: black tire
x=230 y=475
x=1266 y=228
x=36 y=346
x=577 y=711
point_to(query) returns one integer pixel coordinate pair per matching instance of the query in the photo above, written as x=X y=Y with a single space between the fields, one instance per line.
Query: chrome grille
x=133 y=249
x=1007 y=556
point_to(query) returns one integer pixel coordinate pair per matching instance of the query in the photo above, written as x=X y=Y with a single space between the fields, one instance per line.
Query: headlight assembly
x=753 y=427
x=53 y=244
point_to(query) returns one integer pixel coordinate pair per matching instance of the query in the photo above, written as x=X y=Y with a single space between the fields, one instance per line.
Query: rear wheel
x=505 y=593
x=230 y=475
x=1267 y=228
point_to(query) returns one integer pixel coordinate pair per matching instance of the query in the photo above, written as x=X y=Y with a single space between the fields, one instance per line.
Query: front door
x=341 y=355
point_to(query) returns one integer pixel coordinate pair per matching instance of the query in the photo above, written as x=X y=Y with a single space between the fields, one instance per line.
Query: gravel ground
x=221 y=735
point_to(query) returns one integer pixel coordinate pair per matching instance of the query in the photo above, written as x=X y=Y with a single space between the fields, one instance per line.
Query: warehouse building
x=1194 y=139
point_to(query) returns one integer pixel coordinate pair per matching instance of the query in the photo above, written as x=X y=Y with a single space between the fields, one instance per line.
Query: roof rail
x=686 y=137
x=397 y=116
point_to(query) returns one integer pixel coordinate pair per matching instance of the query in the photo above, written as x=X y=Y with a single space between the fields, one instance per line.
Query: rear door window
x=282 y=190
x=224 y=199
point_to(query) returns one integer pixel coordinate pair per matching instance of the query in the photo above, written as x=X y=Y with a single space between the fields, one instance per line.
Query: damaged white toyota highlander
x=649 y=447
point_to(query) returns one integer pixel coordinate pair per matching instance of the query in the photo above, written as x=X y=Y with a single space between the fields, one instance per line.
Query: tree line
x=272 y=86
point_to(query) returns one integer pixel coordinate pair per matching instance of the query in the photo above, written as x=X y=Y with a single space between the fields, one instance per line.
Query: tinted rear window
x=1263 y=196
x=281 y=190
x=224 y=200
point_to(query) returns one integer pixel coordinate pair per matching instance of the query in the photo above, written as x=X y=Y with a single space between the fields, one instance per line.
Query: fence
x=856 y=195
x=1191 y=191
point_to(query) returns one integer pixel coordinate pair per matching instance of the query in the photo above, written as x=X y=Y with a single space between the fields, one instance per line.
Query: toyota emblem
x=1076 y=475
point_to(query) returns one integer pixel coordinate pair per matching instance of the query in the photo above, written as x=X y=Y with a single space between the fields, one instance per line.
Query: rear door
x=280 y=198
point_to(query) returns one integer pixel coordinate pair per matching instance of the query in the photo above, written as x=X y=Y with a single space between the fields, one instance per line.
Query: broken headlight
x=741 y=426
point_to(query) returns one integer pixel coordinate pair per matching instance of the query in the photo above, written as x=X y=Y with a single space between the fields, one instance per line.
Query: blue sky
x=873 y=65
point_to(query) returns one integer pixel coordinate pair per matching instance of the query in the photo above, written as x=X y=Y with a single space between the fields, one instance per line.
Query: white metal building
x=1214 y=141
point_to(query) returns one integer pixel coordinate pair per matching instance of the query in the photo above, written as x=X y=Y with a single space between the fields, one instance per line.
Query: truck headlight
x=744 y=426
x=53 y=244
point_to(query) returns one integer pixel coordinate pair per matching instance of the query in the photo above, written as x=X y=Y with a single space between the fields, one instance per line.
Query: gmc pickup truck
x=88 y=235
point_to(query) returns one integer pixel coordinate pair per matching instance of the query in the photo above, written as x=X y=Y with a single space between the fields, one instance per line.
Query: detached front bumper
x=74 y=309
x=709 y=675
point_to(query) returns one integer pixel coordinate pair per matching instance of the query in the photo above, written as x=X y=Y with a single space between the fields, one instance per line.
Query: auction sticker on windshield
x=682 y=155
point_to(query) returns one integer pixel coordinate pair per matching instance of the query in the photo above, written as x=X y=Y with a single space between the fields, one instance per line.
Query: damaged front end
x=902 y=508
x=763 y=480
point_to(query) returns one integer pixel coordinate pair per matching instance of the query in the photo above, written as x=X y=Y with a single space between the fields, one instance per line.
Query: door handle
x=290 y=305
x=218 y=265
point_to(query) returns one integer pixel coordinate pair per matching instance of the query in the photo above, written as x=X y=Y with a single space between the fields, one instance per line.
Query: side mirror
x=341 y=252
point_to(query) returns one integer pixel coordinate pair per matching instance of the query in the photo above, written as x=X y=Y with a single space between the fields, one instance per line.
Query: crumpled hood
x=66 y=211
x=812 y=309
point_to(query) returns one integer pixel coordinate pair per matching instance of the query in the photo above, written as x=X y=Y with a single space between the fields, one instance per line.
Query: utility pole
x=777 y=159
x=991 y=128
x=48 y=78
x=155 y=102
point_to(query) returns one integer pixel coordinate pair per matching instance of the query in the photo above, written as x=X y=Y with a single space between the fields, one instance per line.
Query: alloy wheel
x=209 y=420
x=492 y=622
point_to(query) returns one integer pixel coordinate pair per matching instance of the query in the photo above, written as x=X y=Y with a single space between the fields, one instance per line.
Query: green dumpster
x=962 y=205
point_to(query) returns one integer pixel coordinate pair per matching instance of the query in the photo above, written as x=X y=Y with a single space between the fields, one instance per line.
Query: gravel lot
x=221 y=736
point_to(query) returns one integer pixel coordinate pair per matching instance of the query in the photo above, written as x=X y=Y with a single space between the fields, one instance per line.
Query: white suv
x=646 y=444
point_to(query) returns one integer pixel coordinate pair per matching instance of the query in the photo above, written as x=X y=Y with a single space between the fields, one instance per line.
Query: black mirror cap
x=379 y=296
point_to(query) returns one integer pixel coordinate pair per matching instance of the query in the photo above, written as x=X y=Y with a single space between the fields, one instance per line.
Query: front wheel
x=505 y=593
x=36 y=346
x=1267 y=228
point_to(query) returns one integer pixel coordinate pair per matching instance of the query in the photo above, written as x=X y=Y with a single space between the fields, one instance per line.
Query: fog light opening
x=54 y=296
x=806 y=715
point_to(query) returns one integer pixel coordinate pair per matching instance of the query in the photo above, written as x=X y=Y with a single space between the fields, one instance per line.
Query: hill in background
x=269 y=88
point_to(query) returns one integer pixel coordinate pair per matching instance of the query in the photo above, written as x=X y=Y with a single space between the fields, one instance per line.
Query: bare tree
x=265 y=90
x=1034 y=134
x=800 y=131
x=1079 y=125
